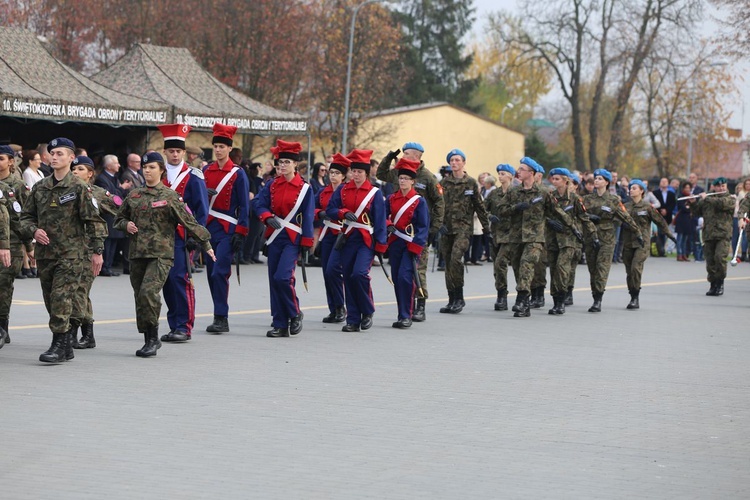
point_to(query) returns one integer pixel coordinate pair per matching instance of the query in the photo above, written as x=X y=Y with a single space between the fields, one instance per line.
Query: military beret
x=561 y=171
x=533 y=164
x=604 y=173
x=152 y=157
x=83 y=160
x=61 y=142
x=504 y=167
x=413 y=145
x=455 y=152
x=719 y=180
x=575 y=177
x=194 y=150
x=639 y=183
x=7 y=150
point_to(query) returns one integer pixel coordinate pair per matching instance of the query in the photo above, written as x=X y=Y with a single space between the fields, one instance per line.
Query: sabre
x=189 y=263
x=304 y=271
x=387 y=276
x=237 y=268
x=417 y=279
x=696 y=196
x=739 y=244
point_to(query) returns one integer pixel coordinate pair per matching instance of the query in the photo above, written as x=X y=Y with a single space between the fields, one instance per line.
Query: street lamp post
x=508 y=105
x=347 y=91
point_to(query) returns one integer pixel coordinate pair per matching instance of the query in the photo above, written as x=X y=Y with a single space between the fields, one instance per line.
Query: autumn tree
x=735 y=39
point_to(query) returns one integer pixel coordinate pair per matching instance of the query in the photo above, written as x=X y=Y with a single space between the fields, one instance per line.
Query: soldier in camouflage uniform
x=634 y=255
x=15 y=192
x=500 y=227
x=4 y=246
x=717 y=212
x=578 y=249
x=462 y=200
x=560 y=241
x=603 y=208
x=83 y=313
x=539 y=281
x=427 y=186
x=64 y=220
x=150 y=216
x=529 y=206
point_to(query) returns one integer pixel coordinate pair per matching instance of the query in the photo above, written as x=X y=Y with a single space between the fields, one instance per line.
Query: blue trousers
x=179 y=293
x=282 y=261
x=333 y=273
x=218 y=272
x=356 y=261
x=402 y=270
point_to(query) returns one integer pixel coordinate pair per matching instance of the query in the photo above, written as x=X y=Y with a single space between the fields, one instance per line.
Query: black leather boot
x=460 y=304
x=419 y=312
x=633 y=304
x=366 y=322
x=220 y=325
x=402 y=323
x=56 y=351
x=448 y=309
x=517 y=306
x=69 y=336
x=3 y=334
x=524 y=308
x=4 y=326
x=277 y=332
x=569 y=297
x=337 y=316
x=87 y=337
x=295 y=324
x=350 y=327
x=152 y=344
x=502 y=300
x=720 y=288
x=539 y=297
x=74 y=334
x=713 y=290
x=597 y=305
x=559 y=307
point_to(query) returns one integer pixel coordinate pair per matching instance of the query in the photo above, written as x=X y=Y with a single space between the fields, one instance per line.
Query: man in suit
x=116 y=240
x=133 y=172
x=668 y=201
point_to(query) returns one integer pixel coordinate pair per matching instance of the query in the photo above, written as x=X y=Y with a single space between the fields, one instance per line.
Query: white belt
x=403 y=236
x=222 y=216
x=294 y=227
x=328 y=224
x=358 y=225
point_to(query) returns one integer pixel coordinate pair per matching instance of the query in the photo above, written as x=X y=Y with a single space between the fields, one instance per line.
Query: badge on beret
x=93 y=202
x=145 y=159
x=54 y=142
x=185 y=129
x=75 y=162
x=17 y=207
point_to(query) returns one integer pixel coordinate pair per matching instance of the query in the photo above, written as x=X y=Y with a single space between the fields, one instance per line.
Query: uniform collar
x=296 y=180
x=365 y=185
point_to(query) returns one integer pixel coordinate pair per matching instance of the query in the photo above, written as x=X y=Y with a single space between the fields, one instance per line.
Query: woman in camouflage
x=150 y=216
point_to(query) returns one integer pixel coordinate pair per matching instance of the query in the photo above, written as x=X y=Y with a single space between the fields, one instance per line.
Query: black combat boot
x=295 y=324
x=220 y=325
x=402 y=323
x=87 y=337
x=69 y=336
x=633 y=304
x=713 y=290
x=539 y=297
x=532 y=298
x=720 y=287
x=597 y=305
x=569 y=297
x=56 y=351
x=517 y=306
x=502 y=300
x=4 y=327
x=459 y=303
x=350 y=327
x=451 y=303
x=152 y=344
x=277 y=332
x=74 y=334
x=559 y=307
x=524 y=308
x=419 y=312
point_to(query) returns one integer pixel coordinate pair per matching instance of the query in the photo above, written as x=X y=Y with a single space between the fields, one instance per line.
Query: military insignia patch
x=93 y=202
x=67 y=198
x=17 y=207
x=158 y=204
x=440 y=189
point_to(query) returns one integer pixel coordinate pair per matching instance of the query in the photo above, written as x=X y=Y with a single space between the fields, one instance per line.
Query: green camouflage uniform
x=607 y=207
x=426 y=185
x=540 y=268
x=562 y=247
x=4 y=221
x=527 y=229
x=156 y=212
x=717 y=212
x=500 y=238
x=14 y=194
x=67 y=213
x=462 y=200
x=633 y=254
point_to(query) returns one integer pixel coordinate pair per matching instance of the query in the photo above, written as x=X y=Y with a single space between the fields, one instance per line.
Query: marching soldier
x=427 y=186
x=150 y=215
x=228 y=211
x=4 y=251
x=408 y=228
x=578 y=249
x=539 y=282
x=360 y=207
x=286 y=206
x=500 y=234
x=462 y=200
x=64 y=220
x=717 y=212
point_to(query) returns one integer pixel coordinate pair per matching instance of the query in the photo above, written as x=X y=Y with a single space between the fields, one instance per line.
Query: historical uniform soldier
x=83 y=312
x=717 y=212
x=427 y=186
x=333 y=274
x=64 y=220
x=634 y=254
x=408 y=228
x=603 y=208
x=561 y=243
x=179 y=290
x=286 y=205
x=228 y=211
x=360 y=206
x=462 y=200
x=529 y=206
x=150 y=215
x=500 y=227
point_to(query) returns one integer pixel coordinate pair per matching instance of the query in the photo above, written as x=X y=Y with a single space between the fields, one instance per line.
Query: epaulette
x=197 y=172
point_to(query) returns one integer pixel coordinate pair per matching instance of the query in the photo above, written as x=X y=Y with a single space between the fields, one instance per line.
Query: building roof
x=35 y=85
x=173 y=76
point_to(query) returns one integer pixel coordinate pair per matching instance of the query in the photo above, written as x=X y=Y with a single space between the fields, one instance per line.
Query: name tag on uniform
x=419 y=185
x=67 y=197
x=469 y=192
x=537 y=199
x=568 y=208
x=642 y=212
x=160 y=203
x=606 y=209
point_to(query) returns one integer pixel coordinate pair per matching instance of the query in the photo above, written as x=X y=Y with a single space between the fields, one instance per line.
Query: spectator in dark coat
x=115 y=241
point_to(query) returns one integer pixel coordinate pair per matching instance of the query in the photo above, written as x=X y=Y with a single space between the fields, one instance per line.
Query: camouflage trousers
x=60 y=280
x=634 y=260
x=82 y=310
x=577 y=254
x=422 y=269
x=540 y=271
x=561 y=265
x=524 y=257
x=7 y=279
x=454 y=247
x=501 y=259
x=147 y=277
x=599 y=264
x=715 y=253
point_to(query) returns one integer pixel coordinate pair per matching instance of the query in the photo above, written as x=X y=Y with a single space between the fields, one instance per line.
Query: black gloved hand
x=443 y=230
x=672 y=237
x=238 y=240
x=640 y=241
x=316 y=252
x=392 y=155
x=431 y=237
x=494 y=219
x=555 y=225
x=594 y=218
x=273 y=223
x=350 y=216
x=192 y=245
x=304 y=253
x=211 y=192
x=578 y=235
x=390 y=229
x=596 y=244
x=322 y=215
x=520 y=207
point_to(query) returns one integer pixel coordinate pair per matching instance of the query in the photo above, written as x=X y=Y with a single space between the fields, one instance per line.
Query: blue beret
x=454 y=152
x=575 y=177
x=61 y=142
x=504 y=167
x=151 y=158
x=561 y=171
x=604 y=173
x=639 y=183
x=448 y=168
x=413 y=145
x=533 y=164
x=7 y=150
x=719 y=180
x=83 y=160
